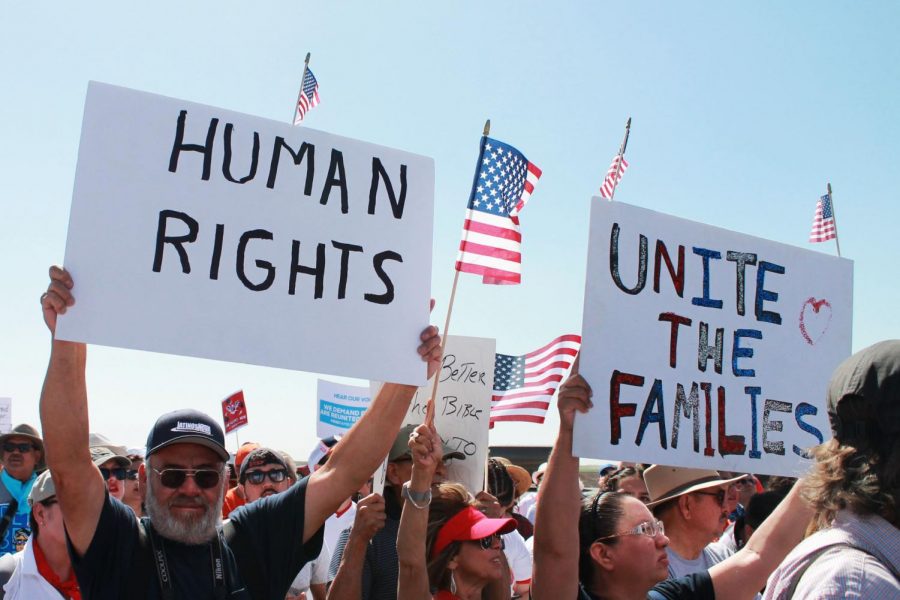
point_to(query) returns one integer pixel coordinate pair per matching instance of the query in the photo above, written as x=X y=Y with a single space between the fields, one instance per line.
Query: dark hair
x=500 y=483
x=449 y=499
x=599 y=518
x=611 y=483
x=32 y=523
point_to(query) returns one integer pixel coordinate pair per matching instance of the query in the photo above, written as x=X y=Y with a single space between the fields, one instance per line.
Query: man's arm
x=64 y=419
x=744 y=573
x=369 y=520
x=555 y=572
x=365 y=445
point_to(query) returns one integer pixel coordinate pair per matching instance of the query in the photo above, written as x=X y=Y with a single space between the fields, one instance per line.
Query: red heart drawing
x=814 y=321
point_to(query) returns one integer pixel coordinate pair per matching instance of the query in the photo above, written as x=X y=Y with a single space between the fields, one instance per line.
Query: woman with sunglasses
x=447 y=548
x=613 y=547
x=114 y=469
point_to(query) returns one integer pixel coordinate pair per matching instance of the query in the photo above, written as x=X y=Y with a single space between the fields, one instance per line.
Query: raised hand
x=58 y=297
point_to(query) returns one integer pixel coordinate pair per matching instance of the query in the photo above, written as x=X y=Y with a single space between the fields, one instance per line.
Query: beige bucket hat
x=665 y=483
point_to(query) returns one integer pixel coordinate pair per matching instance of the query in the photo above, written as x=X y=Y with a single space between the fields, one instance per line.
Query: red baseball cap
x=245 y=449
x=468 y=525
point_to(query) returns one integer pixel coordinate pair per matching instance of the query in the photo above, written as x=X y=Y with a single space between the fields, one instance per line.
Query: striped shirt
x=868 y=570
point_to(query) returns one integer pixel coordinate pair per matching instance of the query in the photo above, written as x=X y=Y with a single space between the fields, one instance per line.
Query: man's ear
x=392 y=476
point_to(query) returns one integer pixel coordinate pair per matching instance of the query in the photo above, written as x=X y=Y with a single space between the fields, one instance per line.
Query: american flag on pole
x=491 y=243
x=309 y=95
x=524 y=385
x=823 y=223
x=613 y=176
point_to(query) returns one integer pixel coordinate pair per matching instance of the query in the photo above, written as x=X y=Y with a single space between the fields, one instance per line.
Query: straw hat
x=665 y=483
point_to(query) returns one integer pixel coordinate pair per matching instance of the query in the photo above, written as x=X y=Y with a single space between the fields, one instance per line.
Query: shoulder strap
x=817 y=554
x=8 y=516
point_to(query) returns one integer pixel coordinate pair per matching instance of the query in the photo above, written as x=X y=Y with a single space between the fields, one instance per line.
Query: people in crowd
x=22 y=457
x=264 y=473
x=691 y=505
x=114 y=469
x=528 y=503
x=522 y=479
x=447 y=548
x=628 y=480
x=364 y=564
x=132 y=497
x=344 y=516
x=502 y=490
x=760 y=507
x=234 y=497
x=613 y=546
x=854 y=488
x=42 y=570
x=261 y=549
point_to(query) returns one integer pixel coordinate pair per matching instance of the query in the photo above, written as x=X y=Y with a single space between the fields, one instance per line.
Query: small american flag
x=823 y=223
x=309 y=96
x=613 y=176
x=491 y=243
x=524 y=385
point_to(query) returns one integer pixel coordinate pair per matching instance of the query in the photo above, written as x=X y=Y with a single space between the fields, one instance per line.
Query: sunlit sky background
x=742 y=113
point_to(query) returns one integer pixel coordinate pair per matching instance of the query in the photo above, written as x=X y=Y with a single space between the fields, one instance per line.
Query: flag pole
x=300 y=93
x=429 y=409
x=236 y=439
x=619 y=158
x=834 y=216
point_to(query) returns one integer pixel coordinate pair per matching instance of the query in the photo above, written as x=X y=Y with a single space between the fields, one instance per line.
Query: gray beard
x=190 y=531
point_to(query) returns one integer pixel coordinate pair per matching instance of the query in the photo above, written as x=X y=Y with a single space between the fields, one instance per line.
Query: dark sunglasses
x=119 y=473
x=175 y=478
x=719 y=496
x=21 y=448
x=131 y=475
x=257 y=477
x=487 y=543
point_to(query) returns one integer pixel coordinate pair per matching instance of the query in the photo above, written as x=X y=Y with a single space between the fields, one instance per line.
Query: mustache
x=181 y=500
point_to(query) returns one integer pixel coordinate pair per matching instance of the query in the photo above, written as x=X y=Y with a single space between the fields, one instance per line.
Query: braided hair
x=500 y=483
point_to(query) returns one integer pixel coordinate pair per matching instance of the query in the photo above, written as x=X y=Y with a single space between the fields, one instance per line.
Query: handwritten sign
x=204 y=232
x=340 y=406
x=5 y=415
x=705 y=347
x=463 y=410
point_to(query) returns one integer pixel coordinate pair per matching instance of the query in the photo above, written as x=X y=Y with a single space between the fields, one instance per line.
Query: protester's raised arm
x=412 y=576
x=364 y=447
x=64 y=420
x=555 y=573
x=348 y=580
x=742 y=575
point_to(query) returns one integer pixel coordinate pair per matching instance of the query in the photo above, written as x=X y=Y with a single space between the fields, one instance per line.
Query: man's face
x=708 y=511
x=400 y=471
x=20 y=457
x=111 y=470
x=258 y=481
x=187 y=513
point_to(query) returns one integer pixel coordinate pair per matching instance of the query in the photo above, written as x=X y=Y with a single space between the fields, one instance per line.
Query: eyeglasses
x=119 y=473
x=648 y=528
x=174 y=478
x=487 y=543
x=21 y=448
x=131 y=475
x=257 y=477
x=719 y=496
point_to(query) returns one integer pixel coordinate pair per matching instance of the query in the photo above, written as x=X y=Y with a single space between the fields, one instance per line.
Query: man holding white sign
x=266 y=543
x=707 y=348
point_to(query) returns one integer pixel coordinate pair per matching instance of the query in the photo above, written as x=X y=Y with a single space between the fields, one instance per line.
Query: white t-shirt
x=518 y=556
x=334 y=525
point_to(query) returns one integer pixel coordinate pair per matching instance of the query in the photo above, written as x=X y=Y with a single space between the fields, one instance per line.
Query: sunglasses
x=21 y=448
x=747 y=482
x=648 y=528
x=119 y=473
x=719 y=496
x=131 y=475
x=257 y=477
x=487 y=543
x=175 y=478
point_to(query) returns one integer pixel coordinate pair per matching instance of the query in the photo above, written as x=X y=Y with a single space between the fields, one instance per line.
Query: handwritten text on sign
x=204 y=232
x=705 y=347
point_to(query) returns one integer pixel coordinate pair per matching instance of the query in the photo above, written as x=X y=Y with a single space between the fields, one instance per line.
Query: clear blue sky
x=742 y=113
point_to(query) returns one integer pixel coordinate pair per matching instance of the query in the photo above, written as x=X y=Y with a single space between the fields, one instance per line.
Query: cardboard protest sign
x=204 y=232
x=339 y=407
x=705 y=347
x=5 y=415
x=463 y=410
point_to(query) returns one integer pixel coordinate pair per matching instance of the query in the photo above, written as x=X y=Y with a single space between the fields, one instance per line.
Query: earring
x=452 y=584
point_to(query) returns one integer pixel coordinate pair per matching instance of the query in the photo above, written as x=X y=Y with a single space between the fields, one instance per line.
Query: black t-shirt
x=696 y=586
x=268 y=532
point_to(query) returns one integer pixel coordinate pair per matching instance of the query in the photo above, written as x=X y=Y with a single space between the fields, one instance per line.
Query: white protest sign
x=463 y=410
x=339 y=407
x=199 y=231
x=5 y=415
x=705 y=347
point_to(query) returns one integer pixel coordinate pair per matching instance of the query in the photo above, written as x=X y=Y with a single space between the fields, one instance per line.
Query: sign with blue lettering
x=204 y=232
x=706 y=347
x=339 y=407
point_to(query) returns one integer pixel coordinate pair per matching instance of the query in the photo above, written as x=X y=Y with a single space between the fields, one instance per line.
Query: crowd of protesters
x=82 y=517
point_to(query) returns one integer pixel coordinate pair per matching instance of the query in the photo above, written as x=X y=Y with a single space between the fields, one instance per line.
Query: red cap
x=245 y=449
x=467 y=525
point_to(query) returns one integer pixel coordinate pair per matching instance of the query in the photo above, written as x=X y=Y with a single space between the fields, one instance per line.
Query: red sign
x=234 y=411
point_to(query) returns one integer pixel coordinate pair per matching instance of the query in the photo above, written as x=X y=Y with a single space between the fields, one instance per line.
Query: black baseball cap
x=872 y=374
x=187 y=426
